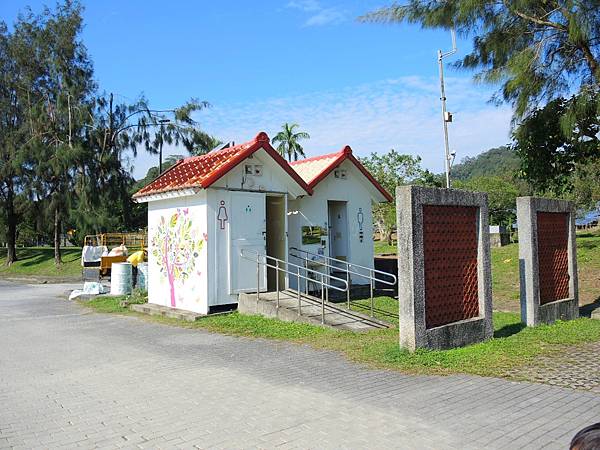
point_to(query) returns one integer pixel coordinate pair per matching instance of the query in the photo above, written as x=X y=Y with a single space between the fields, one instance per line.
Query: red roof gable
x=313 y=170
x=202 y=171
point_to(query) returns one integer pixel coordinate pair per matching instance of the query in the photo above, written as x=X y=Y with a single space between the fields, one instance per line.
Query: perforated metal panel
x=553 y=256
x=450 y=245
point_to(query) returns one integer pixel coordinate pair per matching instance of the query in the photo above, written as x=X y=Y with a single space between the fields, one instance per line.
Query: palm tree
x=289 y=144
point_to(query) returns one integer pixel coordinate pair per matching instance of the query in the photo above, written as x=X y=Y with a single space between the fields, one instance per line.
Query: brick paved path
x=576 y=367
x=72 y=378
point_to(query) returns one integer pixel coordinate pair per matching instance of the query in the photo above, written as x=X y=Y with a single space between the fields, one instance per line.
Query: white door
x=247 y=224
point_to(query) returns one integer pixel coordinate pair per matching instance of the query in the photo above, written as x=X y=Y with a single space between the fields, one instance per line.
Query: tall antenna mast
x=446 y=116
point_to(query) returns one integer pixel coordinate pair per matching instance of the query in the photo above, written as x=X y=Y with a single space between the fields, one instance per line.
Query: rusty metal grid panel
x=450 y=247
x=553 y=256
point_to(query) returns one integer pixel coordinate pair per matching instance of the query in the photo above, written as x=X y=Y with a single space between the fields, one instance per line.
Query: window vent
x=341 y=174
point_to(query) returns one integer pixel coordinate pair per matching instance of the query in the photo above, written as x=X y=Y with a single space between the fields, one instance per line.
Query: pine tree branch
x=536 y=20
x=590 y=59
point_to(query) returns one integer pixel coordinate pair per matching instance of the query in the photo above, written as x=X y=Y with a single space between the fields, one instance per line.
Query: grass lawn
x=382 y=248
x=512 y=345
x=505 y=271
x=39 y=261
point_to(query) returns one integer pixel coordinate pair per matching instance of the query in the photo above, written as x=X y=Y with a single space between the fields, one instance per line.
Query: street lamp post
x=160 y=159
x=446 y=116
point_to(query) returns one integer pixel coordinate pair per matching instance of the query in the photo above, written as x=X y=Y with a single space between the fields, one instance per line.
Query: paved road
x=72 y=378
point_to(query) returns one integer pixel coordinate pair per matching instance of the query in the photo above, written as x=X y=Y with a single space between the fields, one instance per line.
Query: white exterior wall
x=273 y=180
x=356 y=190
x=178 y=278
x=209 y=281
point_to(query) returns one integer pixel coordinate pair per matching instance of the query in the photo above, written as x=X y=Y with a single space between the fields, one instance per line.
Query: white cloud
x=402 y=113
x=305 y=5
x=325 y=17
x=318 y=14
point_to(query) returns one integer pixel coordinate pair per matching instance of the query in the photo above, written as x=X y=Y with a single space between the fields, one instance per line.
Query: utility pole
x=162 y=123
x=446 y=116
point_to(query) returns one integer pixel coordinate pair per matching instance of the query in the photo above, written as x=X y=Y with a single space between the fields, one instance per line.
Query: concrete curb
x=41 y=280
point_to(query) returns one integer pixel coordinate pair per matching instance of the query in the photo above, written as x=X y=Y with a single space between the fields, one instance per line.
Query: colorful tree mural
x=176 y=244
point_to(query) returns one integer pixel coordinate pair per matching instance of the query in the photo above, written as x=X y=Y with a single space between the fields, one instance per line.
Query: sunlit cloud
x=402 y=113
x=318 y=15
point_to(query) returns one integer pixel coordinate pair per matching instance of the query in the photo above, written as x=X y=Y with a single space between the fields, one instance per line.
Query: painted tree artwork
x=176 y=244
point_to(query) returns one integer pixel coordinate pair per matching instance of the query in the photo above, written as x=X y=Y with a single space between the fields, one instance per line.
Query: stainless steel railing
x=299 y=273
x=350 y=269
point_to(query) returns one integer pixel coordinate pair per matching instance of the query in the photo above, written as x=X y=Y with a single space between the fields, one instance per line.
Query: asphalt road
x=73 y=378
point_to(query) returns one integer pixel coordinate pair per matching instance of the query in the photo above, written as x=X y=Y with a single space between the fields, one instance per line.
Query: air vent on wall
x=253 y=169
x=341 y=174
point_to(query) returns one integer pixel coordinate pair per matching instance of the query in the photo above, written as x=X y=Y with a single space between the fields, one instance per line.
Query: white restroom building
x=205 y=210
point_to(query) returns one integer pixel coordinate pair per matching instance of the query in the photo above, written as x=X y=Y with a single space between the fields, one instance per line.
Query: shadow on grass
x=587 y=310
x=28 y=257
x=509 y=330
x=34 y=260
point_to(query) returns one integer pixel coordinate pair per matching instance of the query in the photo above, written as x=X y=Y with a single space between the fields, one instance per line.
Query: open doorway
x=338 y=230
x=276 y=239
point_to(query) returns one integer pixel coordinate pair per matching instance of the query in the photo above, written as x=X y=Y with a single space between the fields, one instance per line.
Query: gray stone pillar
x=547 y=260
x=444 y=274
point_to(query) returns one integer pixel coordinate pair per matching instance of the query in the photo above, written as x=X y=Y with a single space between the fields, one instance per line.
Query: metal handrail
x=370 y=277
x=262 y=259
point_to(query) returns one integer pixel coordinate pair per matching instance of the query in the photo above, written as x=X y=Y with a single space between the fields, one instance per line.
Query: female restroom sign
x=222 y=215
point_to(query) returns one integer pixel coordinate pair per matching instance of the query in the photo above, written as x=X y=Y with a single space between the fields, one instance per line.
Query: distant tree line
x=64 y=143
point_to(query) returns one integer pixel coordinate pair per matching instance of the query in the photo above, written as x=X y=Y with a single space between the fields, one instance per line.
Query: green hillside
x=495 y=162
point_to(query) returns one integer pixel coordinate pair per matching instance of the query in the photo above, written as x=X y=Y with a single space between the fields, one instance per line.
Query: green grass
x=384 y=308
x=107 y=304
x=39 y=261
x=382 y=248
x=505 y=270
x=513 y=345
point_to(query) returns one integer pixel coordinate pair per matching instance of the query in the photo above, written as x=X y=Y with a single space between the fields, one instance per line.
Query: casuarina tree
x=64 y=86
x=12 y=135
x=536 y=51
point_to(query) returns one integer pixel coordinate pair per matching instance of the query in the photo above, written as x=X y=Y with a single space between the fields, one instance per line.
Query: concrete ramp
x=311 y=311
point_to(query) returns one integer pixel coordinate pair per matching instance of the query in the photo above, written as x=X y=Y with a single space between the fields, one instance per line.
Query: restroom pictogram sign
x=222 y=215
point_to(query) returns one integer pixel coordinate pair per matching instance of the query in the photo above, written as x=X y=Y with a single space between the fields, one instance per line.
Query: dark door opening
x=276 y=239
x=338 y=230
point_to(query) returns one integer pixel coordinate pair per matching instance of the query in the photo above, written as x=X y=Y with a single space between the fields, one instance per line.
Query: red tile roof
x=313 y=170
x=203 y=171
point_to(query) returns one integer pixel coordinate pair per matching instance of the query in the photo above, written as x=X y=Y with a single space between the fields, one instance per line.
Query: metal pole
x=257 y=279
x=447 y=154
x=371 y=285
x=348 y=284
x=322 y=300
x=445 y=123
x=306 y=286
x=299 y=300
x=277 y=281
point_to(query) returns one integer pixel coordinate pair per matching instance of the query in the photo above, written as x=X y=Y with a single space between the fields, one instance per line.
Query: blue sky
x=261 y=64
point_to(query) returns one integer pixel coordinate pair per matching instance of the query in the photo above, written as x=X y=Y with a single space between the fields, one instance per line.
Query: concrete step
x=311 y=311
x=158 y=310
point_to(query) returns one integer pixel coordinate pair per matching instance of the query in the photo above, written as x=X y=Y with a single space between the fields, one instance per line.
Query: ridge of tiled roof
x=204 y=170
x=314 y=170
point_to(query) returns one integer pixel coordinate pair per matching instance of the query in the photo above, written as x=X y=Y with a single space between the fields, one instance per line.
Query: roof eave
x=264 y=144
x=167 y=194
x=346 y=154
